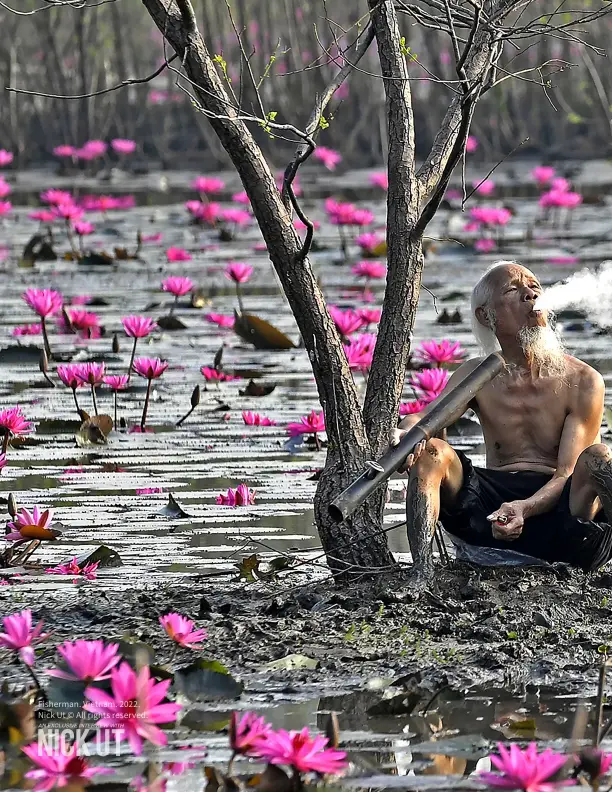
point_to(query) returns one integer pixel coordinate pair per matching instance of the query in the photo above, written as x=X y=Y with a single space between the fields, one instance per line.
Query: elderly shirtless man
x=546 y=490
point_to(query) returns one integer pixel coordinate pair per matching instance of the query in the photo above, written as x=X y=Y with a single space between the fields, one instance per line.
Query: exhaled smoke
x=587 y=290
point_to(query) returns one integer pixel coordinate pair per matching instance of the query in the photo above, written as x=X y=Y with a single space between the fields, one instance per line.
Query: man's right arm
x=456 y=377
x=410 y=420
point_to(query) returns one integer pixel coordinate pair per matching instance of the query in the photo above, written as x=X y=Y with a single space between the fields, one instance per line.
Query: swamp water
x=93 y=490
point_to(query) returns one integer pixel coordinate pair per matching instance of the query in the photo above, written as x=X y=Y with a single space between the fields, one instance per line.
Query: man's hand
x=508 y=520
x=394 y=440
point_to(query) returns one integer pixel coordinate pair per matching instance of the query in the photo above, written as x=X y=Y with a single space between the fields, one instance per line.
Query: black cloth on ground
x=553 y=536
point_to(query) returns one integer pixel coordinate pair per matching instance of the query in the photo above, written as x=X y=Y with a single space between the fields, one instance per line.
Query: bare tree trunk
x=357 y=543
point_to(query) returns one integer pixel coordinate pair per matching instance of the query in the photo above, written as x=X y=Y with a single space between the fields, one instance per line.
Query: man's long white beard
x=543 y=348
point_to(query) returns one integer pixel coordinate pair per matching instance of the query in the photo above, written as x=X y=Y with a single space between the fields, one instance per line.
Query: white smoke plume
x=586 y=290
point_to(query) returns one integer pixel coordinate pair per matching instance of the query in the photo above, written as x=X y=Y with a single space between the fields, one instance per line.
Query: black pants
x=553 y=536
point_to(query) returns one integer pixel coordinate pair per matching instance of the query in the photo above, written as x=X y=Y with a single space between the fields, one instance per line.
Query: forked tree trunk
x=357 y=544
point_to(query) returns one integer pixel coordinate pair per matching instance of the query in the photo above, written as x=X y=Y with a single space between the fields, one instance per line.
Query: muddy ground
x=474 y=626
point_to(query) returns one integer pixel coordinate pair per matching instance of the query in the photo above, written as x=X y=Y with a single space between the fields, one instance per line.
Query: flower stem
x=45 y=338
x=39 y=687
x=129 y=373
x=93 y=398
x=239 y=296
x=230 y=764
x=115 y=409
x=317 y=442
x=78 y=409
x=174 y=304
x=146 y=406
x=5 y=441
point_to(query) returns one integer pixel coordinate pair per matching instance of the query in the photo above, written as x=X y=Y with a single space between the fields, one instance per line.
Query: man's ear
x=482 y=315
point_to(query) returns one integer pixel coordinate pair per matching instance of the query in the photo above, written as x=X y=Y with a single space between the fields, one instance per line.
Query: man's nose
x=529 y=295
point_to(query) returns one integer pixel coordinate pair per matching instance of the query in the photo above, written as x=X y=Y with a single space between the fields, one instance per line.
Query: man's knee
x=435 y=459
x=595 y=457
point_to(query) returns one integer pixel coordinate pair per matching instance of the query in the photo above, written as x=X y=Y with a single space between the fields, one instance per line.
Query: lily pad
x=260 y=333
x=206 y=680
x=170 y=322
x=292 y=662
x=97 y=260
x=18 y=354
x=94 y=430
x=257 y=389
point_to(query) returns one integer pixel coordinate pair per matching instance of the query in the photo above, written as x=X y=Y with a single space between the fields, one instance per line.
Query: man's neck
x=514 y=354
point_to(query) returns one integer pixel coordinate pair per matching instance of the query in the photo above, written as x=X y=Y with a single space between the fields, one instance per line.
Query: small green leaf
x=512 y=636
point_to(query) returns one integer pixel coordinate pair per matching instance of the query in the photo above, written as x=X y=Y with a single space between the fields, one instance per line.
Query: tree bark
x=359 y=542
x=404 y=253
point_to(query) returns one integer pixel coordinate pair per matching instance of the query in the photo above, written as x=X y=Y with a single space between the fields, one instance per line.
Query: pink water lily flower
x=347 y=321
x=56 y=197
x=60 y=766
x=369 y=241
x=430 y=383
x=43 y=301
x=238 y=271
x=5 y=188
x=91 y=373
x=223 y=320
x=177 y=286
x=19 y=637
x=178 y=254
x=369 y=315
x=213 y=375
x=484 y=245
x=5 y=158
x=152 y=237
x=123 y=146
x=243 y=495
x=207 y=185
x=327 y=156
x=6 y=207
x=150 y=368
x=64 y=151
x=67 y=211
x=31 y=525
x=247 y=732
x=410 y=408
x=95 y=148
x=203 y=212
x=527 y=770
x=88 y=571
x=471 y=144
x=308 y=424
x=304 y=753
x=138 y=326
x=117 y=382
x=255 y=419
x=300 y=226
x=359 y=359
x=85 y=323
x=88 y=661
x=27 y=330
x=369 y=269
x=42 y=215
x=14 y=422
x=83 y=228
x=543 y=174
x=438 y=352
x=134 y=707
x=182 y=630
x=485 y=187
x=68 y=375
x=241 y=198
x=233 y=215
x=380 y=179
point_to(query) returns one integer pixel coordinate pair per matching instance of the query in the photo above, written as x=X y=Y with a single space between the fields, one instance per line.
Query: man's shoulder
x=582 y=374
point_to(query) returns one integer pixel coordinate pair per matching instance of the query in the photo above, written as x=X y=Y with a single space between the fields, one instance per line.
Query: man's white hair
x=482 y=294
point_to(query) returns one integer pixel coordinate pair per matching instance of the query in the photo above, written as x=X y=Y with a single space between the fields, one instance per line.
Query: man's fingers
x=396 y=436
